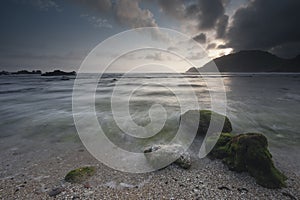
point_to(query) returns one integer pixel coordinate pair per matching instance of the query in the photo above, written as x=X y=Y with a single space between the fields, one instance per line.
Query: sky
x=56 y=34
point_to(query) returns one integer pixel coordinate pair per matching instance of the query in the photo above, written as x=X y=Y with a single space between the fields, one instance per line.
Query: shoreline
x=42 y=178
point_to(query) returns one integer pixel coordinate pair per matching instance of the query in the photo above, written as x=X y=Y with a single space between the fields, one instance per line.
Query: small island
x=59 y=73
x=28 y=72
x=21 y=72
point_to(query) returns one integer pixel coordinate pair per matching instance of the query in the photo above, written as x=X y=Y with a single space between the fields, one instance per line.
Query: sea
x=38 y=109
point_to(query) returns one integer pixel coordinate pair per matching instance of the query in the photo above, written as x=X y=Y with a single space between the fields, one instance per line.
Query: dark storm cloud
x=207 y=12
x=211 y=46
x=266 y=25
x=221 y=26
x=201 y=38
x=174 y=8
x=209 y=15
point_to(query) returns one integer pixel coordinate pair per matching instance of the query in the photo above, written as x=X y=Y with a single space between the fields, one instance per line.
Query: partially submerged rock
x=65 y=78
x=4 y=73
x=249 y=153
x=79 y=175
x=158 y=154
x=218 y=122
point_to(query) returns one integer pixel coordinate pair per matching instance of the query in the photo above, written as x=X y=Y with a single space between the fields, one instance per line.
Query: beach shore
x=40 y=175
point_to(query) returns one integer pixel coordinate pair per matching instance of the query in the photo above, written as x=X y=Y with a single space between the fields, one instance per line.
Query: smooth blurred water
x=40 y=108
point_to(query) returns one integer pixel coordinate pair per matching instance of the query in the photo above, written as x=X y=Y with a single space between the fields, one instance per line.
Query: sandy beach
x=40 y=175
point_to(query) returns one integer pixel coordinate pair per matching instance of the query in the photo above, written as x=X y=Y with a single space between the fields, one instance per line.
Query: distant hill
x=252 y=61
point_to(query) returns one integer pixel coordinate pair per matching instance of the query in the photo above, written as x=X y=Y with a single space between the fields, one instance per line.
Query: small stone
x=54 y=192
x=88 y=193
x=289 y=195
x=196 y=190
x=242 y=190
x=87 y=185
x=223 y=188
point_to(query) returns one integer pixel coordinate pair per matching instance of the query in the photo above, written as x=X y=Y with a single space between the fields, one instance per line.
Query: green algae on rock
x=249 y=153
x=207 y=117
x=79 y=175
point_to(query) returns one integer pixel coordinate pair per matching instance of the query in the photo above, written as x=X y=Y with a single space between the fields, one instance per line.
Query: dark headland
x=251 y=61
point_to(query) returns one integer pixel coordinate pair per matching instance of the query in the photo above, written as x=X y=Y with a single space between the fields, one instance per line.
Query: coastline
x=42 y=178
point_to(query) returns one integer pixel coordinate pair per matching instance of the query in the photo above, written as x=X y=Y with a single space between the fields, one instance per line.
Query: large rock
x=249 y=153
x=206 y=117
x=158 y=154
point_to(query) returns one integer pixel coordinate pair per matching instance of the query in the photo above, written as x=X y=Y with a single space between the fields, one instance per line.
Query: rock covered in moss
x=220 y=149
x=79 y=175
x=158 y=154
x=249 y=153
x=204 y=119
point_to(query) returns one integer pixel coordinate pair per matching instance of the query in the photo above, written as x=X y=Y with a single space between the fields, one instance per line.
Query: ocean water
x=35 y=108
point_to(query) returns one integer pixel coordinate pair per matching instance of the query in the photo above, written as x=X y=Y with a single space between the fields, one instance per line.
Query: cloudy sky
x=50 y=34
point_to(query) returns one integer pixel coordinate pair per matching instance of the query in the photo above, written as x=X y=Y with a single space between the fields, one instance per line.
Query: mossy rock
x=220 y=149
x=206 y=117
x=249 y=153
x=79 y=175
